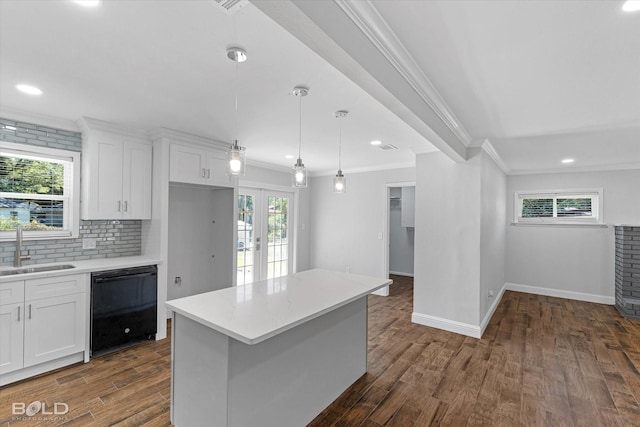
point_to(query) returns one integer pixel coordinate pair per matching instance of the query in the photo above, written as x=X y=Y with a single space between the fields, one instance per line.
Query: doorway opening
x=400 y=228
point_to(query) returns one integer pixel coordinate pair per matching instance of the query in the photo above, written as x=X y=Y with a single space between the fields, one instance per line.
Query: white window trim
x=73 y=189
x=596 y=208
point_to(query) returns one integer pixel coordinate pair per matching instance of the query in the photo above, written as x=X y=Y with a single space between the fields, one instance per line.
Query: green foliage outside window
x=31 y=176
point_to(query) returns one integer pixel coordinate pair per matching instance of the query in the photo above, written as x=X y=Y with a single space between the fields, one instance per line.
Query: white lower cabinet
x=11 y=337
x=47 y=323
x=54 y=328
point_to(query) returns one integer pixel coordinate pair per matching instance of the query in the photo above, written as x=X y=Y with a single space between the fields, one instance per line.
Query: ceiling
x=156 y=64
x=541 y=81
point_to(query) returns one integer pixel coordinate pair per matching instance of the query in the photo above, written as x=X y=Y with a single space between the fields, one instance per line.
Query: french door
x=264 y=246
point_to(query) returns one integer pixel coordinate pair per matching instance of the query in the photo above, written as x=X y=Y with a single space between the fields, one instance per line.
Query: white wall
x=573 y=260
x=344 y=228
x=401 y=239
x=194 y=238
x=447 y=245
x=493 y=222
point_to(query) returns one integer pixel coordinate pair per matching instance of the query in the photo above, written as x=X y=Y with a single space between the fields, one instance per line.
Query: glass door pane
x=248 y=230
x=277 y=235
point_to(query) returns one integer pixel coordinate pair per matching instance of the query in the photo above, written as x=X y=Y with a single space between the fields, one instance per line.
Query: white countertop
x=256 y=312
x=84 y=266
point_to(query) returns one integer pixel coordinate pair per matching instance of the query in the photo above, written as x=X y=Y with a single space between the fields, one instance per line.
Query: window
x=559 y=207
x=38 y=189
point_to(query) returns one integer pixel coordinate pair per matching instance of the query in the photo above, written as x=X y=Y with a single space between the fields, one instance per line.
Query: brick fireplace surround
x=628 y=271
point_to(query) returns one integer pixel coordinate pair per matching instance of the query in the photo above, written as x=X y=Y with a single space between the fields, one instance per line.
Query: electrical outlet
x=177 y=281
x=490 y=294
x=89 y=243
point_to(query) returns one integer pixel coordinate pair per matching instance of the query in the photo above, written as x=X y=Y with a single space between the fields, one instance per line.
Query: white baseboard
x=400 y=273
x=558 y=293
x=446 y=324
x=492 y=309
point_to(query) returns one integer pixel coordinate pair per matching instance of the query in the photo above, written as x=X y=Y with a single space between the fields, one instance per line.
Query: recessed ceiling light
x=568 y=160
x=631 y=6
x=88 y=3
x=289 y=156
x=31 y=90
x=376 y=142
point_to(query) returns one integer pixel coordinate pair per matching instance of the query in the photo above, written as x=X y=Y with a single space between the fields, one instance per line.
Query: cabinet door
x=187 y=164
x=105 y=178
x=54 y=327
x=216 y=171
x=136 y=180
x=11 y=337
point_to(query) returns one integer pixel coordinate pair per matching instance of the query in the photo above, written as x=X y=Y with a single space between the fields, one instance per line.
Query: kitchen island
x=272 y=353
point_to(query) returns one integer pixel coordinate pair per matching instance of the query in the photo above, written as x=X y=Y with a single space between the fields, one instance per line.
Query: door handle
x=18 y=313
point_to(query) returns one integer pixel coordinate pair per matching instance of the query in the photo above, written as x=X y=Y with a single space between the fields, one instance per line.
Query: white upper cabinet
x=116 y=173
x=192 y=164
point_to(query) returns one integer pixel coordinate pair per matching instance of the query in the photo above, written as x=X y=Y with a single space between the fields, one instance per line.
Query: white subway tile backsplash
x=112 y=240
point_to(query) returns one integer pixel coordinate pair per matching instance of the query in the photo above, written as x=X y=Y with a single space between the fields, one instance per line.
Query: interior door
x=264 y=239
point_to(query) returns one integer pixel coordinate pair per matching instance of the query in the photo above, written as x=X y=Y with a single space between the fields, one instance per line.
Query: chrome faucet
x=17 y=262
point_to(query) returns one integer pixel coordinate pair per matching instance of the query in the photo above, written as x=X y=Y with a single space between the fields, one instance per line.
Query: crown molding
x=377 y=168
x=367 y=18
x=423 y=149
x=570 y=169
x=38 y=119
x=87 y=125
x=269 y=166
x=178 y=136
x=488 y=148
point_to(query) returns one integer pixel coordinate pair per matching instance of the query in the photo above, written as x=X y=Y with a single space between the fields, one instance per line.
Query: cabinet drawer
x=55 y=286
x=11 y=292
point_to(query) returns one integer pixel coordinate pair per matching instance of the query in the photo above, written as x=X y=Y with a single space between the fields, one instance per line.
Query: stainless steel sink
x=35 y=269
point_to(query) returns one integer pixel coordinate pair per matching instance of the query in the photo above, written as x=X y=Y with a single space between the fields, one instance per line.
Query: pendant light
x=236 y=155
x=339 y=181
x=299 y=172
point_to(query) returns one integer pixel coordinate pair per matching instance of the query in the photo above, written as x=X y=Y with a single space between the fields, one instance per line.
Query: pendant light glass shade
x=237 y=159
x=236 y=156
x=339 y=181
x=299 y=175
x=299 y=172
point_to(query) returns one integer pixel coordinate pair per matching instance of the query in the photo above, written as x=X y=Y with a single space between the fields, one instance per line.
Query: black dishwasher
x=124 y=307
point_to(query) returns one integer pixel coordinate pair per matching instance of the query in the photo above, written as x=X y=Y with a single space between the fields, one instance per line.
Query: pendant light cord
x=300 y=128
x=340 y=147
x=236 y=130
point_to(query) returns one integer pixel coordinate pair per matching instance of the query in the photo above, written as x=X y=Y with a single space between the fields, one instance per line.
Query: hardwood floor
x=542 y=362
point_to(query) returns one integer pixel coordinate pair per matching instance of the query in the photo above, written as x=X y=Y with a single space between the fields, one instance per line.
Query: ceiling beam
x=354 y=38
